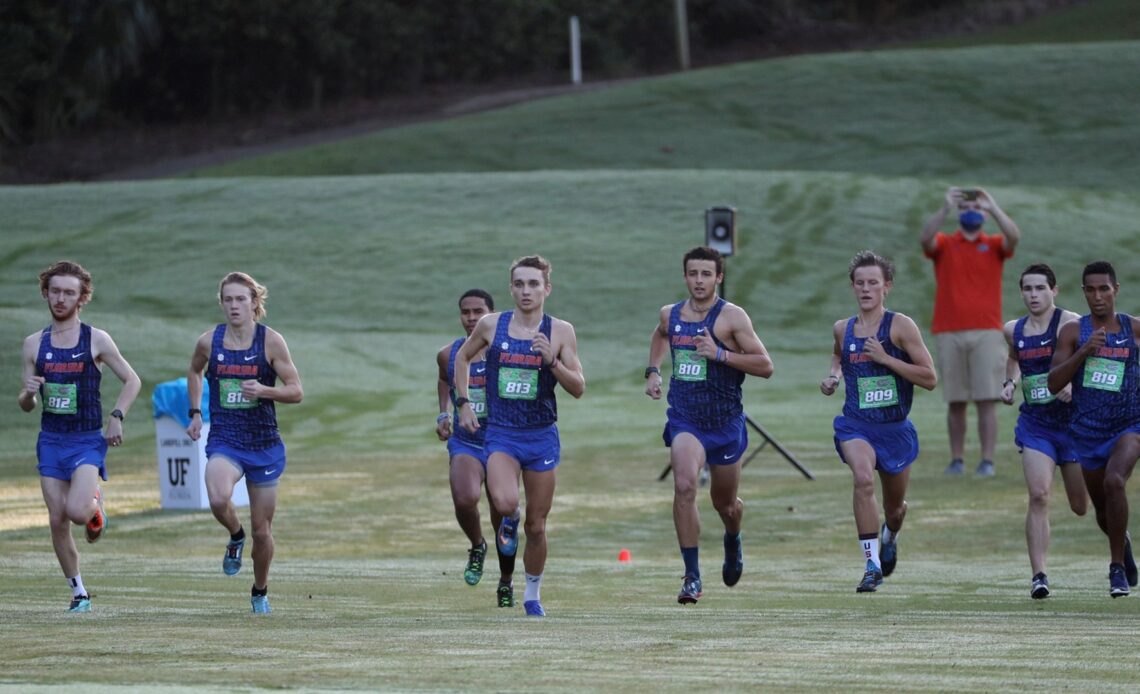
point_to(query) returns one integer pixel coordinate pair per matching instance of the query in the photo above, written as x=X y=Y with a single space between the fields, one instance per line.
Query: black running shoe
x=1040 y=589
x=733 y=560
x=505 y=595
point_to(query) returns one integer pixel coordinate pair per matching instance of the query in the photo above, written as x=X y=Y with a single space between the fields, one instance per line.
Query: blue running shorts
x=1093 y=454
x=1057 y=444
x=895 y=443
x=456 y=447
x=261 y=468
x=537 y=450
x=724 y=446
x=59 y=455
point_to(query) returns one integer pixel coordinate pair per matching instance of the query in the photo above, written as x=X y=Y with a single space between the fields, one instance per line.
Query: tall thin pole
x=575 y=52
x=682 y=33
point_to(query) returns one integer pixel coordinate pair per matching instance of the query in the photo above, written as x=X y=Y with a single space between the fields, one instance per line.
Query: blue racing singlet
x=476 y=393
x=701 y=391
x=1105 y=397
x=520 y=390
x=1034 y=356
x=874 y=393
x=234 y=420
x=70 y=391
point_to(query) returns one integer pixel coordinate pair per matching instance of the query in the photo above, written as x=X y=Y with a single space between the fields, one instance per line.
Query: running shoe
x=505 y=594
x=98 y=523
x=690 y=591
x=872 y=579
x=231 y=562
x=474 y=570
x=80 y=603
x=260 y=604
x=985 y=469
x=733 y=560
x=1129 y=562
x=956 y=467
x=1117 y=583
x=508 y=536
x=1040 y=589
x=888 y=553
x=534 y=608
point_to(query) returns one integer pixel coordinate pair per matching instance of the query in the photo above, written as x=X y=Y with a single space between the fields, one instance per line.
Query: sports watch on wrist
x=652 y=370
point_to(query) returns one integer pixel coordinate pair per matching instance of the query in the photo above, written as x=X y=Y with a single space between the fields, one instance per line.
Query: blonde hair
x=259 y=295
x=535 y=261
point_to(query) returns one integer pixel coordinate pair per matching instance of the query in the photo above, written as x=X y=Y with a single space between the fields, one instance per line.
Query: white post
x=575 y=52
x=682 y=33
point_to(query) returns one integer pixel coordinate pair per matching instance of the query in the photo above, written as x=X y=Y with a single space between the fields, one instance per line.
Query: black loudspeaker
x=720 y=229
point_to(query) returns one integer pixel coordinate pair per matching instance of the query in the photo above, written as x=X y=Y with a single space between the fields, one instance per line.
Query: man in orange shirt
x=967 y=322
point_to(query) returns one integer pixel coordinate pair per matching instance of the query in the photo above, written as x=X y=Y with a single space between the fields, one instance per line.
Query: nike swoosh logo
x=480 y=370
x=76 y=356
x=1121 y=341
x=249 y=357
x=728 y=456
x=548 y=462
x=270 y=472
x=1045 y=342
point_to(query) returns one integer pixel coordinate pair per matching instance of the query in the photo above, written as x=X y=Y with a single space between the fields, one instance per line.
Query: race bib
x=478 y=398
x=1103 y=374
x=877 y=391
x=1035 y=389
x=61 y=398
x=230 y=396
x=518 y=384
x=689 y=366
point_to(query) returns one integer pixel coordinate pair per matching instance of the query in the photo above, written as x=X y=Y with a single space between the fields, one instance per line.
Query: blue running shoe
x=508 y=536
x=872 y=579
x=505 y=595
x=80 y=603
x=733 y=560
x=1129 y=562
x=474 y=570
x=534 y=608
x=888 y=553
x=1040 y=589
x=690 y=591
x=231 y=562
x=260 y=604
x=1117 y=583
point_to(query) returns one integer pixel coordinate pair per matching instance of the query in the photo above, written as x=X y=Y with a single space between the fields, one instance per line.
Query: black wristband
x=652 y=370
x=194 y=411
x=1008 y=381
x=460 y=402
x=117 y=414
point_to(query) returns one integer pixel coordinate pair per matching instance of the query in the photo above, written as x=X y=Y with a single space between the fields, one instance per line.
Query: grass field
x=363 y=273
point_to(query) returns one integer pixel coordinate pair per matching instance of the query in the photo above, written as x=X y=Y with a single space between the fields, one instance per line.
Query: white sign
x=182 y=468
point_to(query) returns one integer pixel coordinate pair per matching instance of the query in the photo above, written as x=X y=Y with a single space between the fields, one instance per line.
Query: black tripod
x=759 y=430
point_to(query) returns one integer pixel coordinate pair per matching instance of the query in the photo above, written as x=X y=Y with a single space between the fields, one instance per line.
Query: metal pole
x=575 y=52
x=682 y=33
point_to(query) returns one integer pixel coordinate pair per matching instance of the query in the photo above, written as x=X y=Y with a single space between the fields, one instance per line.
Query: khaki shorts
x=971 y=364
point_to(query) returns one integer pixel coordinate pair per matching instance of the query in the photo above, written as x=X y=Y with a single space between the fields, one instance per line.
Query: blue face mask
x=971 y=220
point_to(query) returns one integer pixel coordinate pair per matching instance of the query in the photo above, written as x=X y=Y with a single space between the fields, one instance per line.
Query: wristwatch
x=460 y=402
x=652 y=370
x=117 y=414
x=194 y=411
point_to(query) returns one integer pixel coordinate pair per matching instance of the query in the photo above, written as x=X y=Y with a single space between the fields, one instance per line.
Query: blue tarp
x=170 y=399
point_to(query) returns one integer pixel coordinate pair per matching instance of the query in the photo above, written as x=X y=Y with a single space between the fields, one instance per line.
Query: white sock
x=76 y=585
x=888 y=536
x=871 y=551
x=533 y=585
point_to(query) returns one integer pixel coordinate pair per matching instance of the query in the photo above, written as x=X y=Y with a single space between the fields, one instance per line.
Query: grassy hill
x=1027 y=115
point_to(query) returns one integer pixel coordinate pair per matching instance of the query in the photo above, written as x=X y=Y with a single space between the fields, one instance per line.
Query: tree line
x=70 y=63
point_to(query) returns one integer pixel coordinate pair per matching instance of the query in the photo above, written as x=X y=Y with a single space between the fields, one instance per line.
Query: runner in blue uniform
x=243 y=360
x=880 y=357
x=712 y=346
x=527 y=354
x=63 y=364
x=1097 y=354
x=467 y=461
x=1042 y=432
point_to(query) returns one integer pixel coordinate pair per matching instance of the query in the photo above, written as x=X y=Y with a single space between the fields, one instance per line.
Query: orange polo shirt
x=968 y=277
